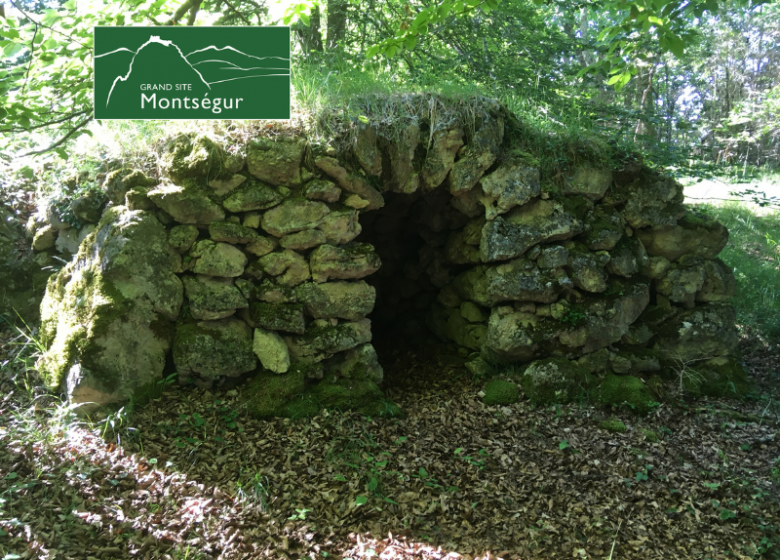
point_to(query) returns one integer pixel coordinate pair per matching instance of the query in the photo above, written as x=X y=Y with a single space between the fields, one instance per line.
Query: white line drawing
x=245 y=77
x=168 y=43
x=238 y=51
x=152 y=39
x=116 y=51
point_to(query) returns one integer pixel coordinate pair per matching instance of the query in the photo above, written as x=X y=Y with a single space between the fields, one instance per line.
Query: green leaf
x=340 y=478
x=675 y=44
x=372 y=51
x=726 y=514
x=361 y=500
x=410 y=42
x=423 y=473
x=304 y=18
x=563 y=445
x=373 y=484
x=11 y=49
x=11 y=476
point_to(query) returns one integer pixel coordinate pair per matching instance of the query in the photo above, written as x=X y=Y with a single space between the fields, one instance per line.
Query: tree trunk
x=310 y=38
x=337 y=22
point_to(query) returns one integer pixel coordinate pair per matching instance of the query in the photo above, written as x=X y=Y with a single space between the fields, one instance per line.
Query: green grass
x=754 y=254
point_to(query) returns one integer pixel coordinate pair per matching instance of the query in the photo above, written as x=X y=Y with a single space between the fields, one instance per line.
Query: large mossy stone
x=271 y=350
x=517 y=280
x=351 y=182
x=277 y=162
x=342 y=300
x=343 y=263
x=694 y=234
x=88 y=207
x=541 y=221
x=187 y=205
x=293 y=215
x=208 y=350
x=188 y=156
x=719 y=282
x=181 y=238
x=706 y=331
x=322 y=340
x=217 y=259
x=229 y=232
x=626 y=390
x=447 y=140
x=105 y=318
x=591 y=182
x=718 y=377
x=478 y=155
x=253 y=195
x=555 y=380
x=289 y=268
x=340 y=226
x=366 y=150
x=212 y=297
x=118 y=183
x=511 y=184
x=286 y=317
x=650 y=199
x=360 y=362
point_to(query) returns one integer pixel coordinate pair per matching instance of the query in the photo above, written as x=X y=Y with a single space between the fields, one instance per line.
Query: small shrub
x=613 y=425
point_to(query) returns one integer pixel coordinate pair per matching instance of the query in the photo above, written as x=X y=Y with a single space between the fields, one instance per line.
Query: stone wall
x=268 y=259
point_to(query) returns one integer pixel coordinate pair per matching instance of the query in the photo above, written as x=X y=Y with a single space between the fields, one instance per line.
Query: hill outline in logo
x=155 y=39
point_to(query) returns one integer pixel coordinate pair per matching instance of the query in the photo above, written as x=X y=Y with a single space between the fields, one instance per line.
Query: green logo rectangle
x=192 y=73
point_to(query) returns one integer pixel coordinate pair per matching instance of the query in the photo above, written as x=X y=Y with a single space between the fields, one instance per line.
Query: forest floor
x=716 y=191
x=189 y=476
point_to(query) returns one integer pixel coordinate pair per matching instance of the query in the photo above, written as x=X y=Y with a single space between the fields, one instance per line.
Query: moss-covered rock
x=181 y=238
x=223 y=187
x=555 y=380
x=293 y=215
x=705 y=331
x=187 y=205
x=271 y=350
x=105 y=318
x=360 y=362
x=286 y=317
x=719 y=282
x=447 y=140
x=603 y=229
x=253 y=195
x=340 y=226
x=719 y=377
x=695 y=234
x=89 y=206
x=323 y=339
x=620 y=390
x=541 y=221
x=343 y=300
x=517 y=280
x=302 y=240
x=613 y=425
x=217 y=259
x=588 y=181
x=229 y=232
x=208 y=350
x=586 y=269
x=119 y=182
x=276 y=161
x=351 y=182
x=212 y=297
x=682 y=280
x=289 y=268
x=188 y=156
x=321 y=189
x=500 y=392
x=343 y=263
x=44 y=238
x=269 y=395
x=511 y=184
x=479 y=154
x=360 y=395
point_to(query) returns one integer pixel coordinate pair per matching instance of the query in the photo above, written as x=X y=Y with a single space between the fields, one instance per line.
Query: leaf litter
x=191 y=476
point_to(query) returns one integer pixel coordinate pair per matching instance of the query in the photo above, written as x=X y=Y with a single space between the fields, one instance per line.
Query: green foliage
x=500 y=392
x=613 y=425
x=754 y=256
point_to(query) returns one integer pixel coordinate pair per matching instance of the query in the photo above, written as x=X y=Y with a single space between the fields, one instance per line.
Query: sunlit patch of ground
x=190 y=476
x=717 y=191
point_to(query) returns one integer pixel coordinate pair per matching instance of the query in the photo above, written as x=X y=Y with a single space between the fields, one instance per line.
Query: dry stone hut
x=284 y=259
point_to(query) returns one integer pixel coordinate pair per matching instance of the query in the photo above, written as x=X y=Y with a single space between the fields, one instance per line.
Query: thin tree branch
x=239 y=14
x=47 y=123
x=62 y=140
x=46 y=26
x=183 y=9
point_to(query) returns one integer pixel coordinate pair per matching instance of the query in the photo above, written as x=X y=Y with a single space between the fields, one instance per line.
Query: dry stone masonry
x=283 y=263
